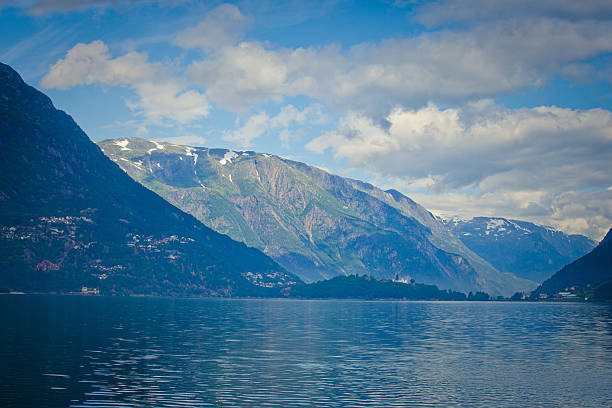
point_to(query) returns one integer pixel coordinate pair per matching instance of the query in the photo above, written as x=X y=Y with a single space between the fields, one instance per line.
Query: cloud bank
x=416 y=111
x=160 y=98
x=541 y=162
x=259 y=124
x=443 y=67
x=41 y=7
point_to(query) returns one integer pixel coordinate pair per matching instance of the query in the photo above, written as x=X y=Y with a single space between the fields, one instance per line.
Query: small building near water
x=89 y=291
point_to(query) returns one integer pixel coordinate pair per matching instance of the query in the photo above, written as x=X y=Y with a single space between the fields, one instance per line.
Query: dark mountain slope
x=590 y=274
x=71 y=217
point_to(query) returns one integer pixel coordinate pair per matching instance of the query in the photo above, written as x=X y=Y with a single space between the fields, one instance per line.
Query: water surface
x=73 y=351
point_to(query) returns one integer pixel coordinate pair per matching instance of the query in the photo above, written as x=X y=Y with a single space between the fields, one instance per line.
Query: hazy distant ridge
x=528 y=250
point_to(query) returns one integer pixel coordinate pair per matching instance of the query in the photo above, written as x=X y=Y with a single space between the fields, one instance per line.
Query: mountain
x=590 y=275
x=70 y=217
x=313 y=223
x=527 y=250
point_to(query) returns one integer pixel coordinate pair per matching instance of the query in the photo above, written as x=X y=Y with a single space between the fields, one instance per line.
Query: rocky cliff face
x=313 y=223
x=70 y=217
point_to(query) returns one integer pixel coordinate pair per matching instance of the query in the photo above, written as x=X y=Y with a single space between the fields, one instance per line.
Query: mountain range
x=313 y=223
x=527 y=250
x=70 y=217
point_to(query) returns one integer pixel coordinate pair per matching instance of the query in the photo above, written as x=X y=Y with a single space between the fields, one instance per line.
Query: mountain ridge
x=526 y=249
x=311 y=222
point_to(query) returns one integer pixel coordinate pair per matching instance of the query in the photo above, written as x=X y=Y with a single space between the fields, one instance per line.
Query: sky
x=469 y=107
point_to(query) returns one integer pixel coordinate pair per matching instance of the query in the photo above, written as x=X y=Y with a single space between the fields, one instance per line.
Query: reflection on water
x=154 y=352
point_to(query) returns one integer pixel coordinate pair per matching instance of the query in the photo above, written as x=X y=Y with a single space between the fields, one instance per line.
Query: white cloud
x=138 y=125
x=161 y=101
x=39 y=7
x=287 y=137
x=537 y=159
x=479 y=143
x=159 y=97
x=289 y=114
x=444 y=67
x=186 y=140
x=532 y=162
x=259 y=124
x=241 y=76
x=91 y=63
x=437 y=13
x=255 y=126
x=221 y=27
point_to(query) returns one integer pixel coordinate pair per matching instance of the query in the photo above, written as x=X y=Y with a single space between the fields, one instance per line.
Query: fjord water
x=61 y=351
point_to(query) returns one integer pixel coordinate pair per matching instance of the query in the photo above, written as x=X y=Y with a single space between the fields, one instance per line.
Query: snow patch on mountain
x=123 y=144
x=453 y=220
x=157 y=146
x=228 y=157
x=519 y=228
x=496 y=225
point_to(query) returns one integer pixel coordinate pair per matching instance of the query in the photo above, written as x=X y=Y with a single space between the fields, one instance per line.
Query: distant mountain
x=313 y=223
x=69 y=217
x=590 y=275
x=527 y=250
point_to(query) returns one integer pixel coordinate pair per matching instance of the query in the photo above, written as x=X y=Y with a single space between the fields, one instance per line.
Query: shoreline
x=75 y=294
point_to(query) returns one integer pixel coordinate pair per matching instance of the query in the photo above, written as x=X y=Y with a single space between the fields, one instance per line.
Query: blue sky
x=469 y=107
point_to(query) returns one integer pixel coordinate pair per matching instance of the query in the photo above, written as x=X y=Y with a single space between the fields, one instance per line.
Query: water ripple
x=272 y=353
